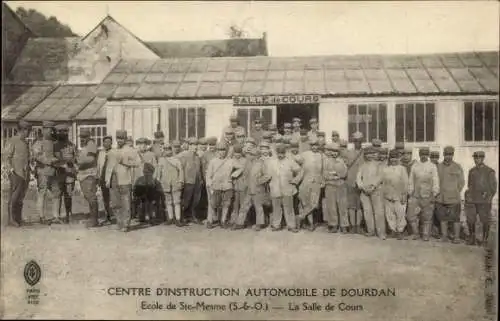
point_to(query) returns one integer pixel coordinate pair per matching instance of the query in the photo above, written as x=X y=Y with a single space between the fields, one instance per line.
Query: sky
x=299 y=28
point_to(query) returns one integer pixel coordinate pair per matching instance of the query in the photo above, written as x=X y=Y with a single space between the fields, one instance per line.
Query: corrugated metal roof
x=64 y=103
x=464 y=73
x=18 y=100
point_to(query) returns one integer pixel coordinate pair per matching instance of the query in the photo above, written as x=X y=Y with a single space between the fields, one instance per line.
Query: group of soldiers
x=296 y=175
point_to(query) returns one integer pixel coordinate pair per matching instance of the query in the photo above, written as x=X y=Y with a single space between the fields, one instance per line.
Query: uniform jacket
x=482 y=184
x=354 y=159
x=219 y=174
x=43 y=152
x=335 y=171
x=408 y=165
x=66 y=152
x=370 y=173
x=423 y=180
x=101 y=160
x=191 y=164
x=312 y=164
x=284 y=175
x=304 y=147
x=121 y=161
x=87 y=161
x=170 y=174
x=240 y=182
x=205 y=160
x=17 y=156
x=452 y=181
x=147 y=157
x=394 y=182
x=256 y=177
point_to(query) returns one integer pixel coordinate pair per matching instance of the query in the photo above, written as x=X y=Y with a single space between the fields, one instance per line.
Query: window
x=246 y=116
x=36 y=133
x=415 y=122
x=481 y=121
x=8 y=132
x=186 y=122
x=97 y=132
x=369 y=119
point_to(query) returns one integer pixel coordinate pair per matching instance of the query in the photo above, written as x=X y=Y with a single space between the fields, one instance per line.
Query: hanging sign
x=275 y=100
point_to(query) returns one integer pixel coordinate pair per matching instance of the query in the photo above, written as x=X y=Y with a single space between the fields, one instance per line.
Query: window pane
x=372 y=120
x=191 y=122
x=99 y=142
x=361 y=120
x=182 y=122
x=400 y=125
x=430 y=119
x=104 y=131
x=267 y=114
x=172 y=124
x=488 y=121
x=382 y=120
x=351 y=121
x=420 y=123
x=242 y=114
x=468 y=122
x=201 y=122
x=478 y=121
x=409 y=123
x=92 y=131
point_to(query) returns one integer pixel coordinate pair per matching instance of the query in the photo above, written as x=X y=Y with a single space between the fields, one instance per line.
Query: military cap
x=61 y=127
x=250 y=140
x=192 y=141
x=357 y=135
x=343 y=143
x=303 y=132
x=294 y=144
x=287 y=125
x=257 y=121
x=264 y=144
x=272 y=127
x=233 y=118
x=48 y=124
x=434 y=153
x=376 y=142
x=104 y=138
x=212 y=141
x=424 y=151
x=313 y=120
x=141 y=140
x=85 y=133
x=320 y=134
x=448 y=150
x=176 y=143
x=399 y=145
x=394 y=153
x=167 y=146
x=121 y=134
x=296 y=119
x=479 y=154
x=240 y=135
x=280 y=149
x=335 y=133
x=220 y=146
x=313 y=141
x=229 y=130
x=332 y=146
x=267 y=135
x=370 y=150
x=237 y=149
x=22 y=124
x=159 y=135
x=202 y=141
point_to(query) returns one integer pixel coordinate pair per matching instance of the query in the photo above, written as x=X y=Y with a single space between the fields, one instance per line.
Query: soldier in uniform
x=451 y=180
x=143 y=185
x=296 y=126
x=102 y=163
x=287 y=130
x=369 y=181
x=257 y=131
x=17 y=158
x=202 y=146
x=234 y=126
x=65 y=150
x=121 y=161
x=87 y=175
x=240 y=188
x=240 y=139
x=383 y=155
x=250 y=144
x=406 y=159
x=176 y=147
x=312 y=134
x=435 y=157
x=159 y=140
x=336 y=137
x=482 y=186
x=43 y=152
x=191 y=164
x=273 y=129
x=354 y=159
x=335 y=173
x=423 y=189
x=312 y=181
x=170 y=174
x=205 y=160
x=285 y=174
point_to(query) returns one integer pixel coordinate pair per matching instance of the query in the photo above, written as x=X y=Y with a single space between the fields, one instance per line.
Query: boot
x=486 y=232
x=472 y=234
x=456 y=232
x=414 y=231
x=426 y=231
x=444 y=231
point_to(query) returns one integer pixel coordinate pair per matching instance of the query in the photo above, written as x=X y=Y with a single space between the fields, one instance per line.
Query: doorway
x=286 y=113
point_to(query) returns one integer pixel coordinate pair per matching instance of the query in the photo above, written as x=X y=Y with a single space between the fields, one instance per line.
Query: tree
x=43 y=26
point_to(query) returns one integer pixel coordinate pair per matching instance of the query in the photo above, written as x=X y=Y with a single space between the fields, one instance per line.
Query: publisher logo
x=32 y=273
